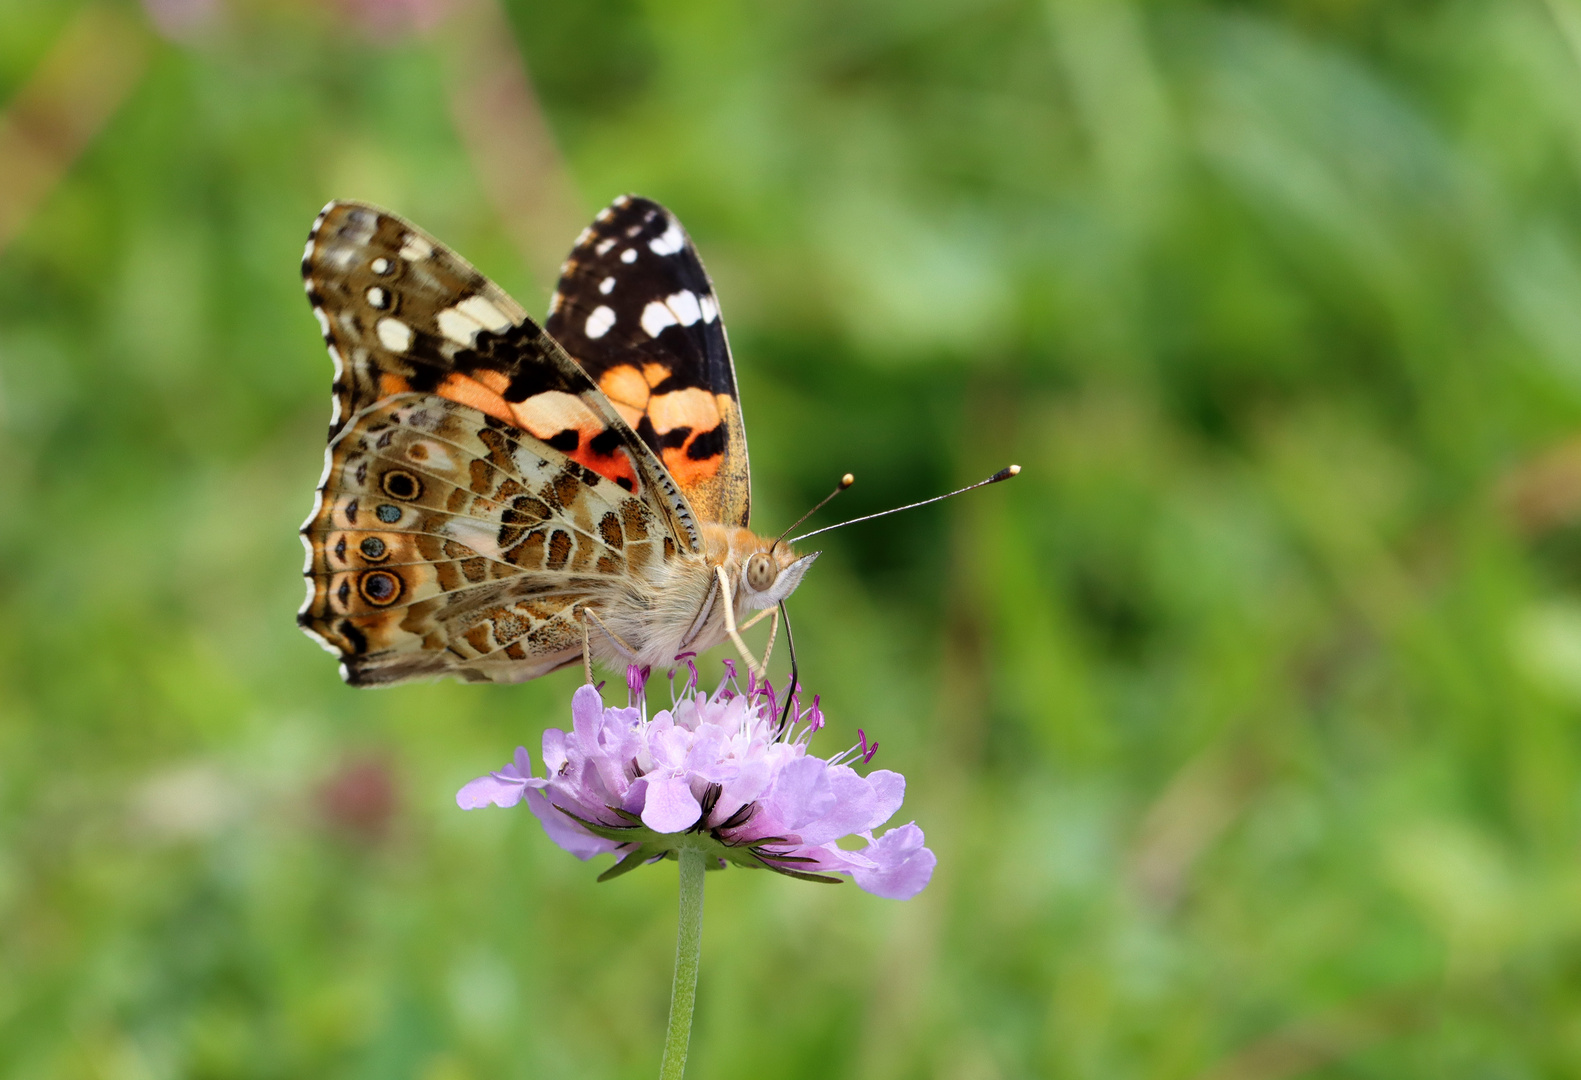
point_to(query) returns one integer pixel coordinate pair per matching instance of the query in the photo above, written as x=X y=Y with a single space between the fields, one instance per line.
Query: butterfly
x=501 y=499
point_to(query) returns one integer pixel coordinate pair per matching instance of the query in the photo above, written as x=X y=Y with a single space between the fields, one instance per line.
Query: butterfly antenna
x=845 y=481
x=1003 y=474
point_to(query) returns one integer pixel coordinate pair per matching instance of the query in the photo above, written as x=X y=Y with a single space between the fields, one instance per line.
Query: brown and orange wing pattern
x=402 y=313
x=636 y=309
x=478 y=486
x=448 y=542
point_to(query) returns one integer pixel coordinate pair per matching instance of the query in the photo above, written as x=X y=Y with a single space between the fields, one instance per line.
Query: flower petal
x=587 y=717
x=753 y=776
x=802 y=792
x=890 y=789
x=503 y=788
x=903 y=866
x=554 y=751
x=670 y=806
x=565 y=832
x=852 y=811
x=492 y=789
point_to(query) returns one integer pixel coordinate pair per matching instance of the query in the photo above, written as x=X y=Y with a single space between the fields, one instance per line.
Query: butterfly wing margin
x=448 y=543
x=637 y=310
x=400 y=312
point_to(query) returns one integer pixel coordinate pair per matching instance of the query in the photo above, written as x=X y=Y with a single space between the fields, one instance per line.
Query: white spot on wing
x=628 y=256
x=377 y=296
x=307 y=252
x=484 y=313
x=394 y=335
x=416 y=248
x=323 y=320
x=684 y=304
x=607 y=286
x=456 y=326
x=669 y=242
x=709 y=307
x=381 y=265
x=604 y=246
x=480 y=536
x=434 y=456
x=656 y=316
x=599 y=322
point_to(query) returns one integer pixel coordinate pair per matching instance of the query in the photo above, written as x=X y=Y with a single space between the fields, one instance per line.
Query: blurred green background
x=1244 y=723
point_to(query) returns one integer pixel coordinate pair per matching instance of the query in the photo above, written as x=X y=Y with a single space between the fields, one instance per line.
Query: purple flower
x=717 y=772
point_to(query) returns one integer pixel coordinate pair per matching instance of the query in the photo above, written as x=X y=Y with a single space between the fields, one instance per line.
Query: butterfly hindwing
x=636 y=309
x=448 y=542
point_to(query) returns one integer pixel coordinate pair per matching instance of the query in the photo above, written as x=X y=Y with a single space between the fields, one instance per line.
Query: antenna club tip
x=846 y=481
x=1014 y=470
x=1004 y=474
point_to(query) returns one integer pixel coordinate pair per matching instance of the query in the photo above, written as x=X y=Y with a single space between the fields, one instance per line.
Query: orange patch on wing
x=693 y=408
x=624 y=385
x=392 y=384
x=632 y=416
x=613 y=466
x=496 y=381
x=631 y=392
x=627 y=390
x=689 y=472
x=548 y=414
x=477 y=395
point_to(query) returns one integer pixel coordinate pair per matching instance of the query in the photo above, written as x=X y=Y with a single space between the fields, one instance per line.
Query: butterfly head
x=771 y=574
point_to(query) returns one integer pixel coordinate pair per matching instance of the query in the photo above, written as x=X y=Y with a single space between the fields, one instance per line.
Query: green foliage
x=1244 y=723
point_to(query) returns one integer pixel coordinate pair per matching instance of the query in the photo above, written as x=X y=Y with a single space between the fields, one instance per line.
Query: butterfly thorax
x=680 y=609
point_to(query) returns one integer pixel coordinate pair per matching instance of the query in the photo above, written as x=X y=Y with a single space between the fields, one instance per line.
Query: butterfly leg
x=625 y=650
x=759 y=617
x=587 y=652
x=730 y=625
x=774 y=629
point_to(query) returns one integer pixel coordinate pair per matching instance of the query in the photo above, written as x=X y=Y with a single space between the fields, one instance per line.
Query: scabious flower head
x=728 y=772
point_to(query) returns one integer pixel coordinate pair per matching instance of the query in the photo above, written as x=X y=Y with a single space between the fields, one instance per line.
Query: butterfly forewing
x=636 y=309
x=402 y=313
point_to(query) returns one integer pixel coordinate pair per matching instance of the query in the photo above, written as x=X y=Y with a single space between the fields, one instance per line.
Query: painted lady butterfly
x=494 y=509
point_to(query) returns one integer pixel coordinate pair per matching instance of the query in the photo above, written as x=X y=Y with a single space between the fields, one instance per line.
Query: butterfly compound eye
x=761 y=572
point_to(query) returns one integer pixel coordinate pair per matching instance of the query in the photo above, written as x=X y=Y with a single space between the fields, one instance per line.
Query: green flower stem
x=688 y=946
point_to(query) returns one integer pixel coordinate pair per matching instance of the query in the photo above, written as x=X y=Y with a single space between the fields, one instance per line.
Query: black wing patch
x=636 y=309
